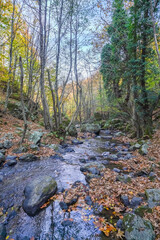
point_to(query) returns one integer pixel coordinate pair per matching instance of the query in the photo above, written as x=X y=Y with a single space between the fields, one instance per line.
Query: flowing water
x=48 y=224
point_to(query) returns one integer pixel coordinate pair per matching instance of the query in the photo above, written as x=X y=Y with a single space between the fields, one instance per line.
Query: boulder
x=7 y=144
x=91 y=128
x=153 y=197
x=28 y=158
x=136 y=228
x=35 y=137
x=37 y=193
x=144 y=149
x=16 y=110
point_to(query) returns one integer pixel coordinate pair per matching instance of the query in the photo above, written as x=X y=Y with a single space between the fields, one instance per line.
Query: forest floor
x=106 y=190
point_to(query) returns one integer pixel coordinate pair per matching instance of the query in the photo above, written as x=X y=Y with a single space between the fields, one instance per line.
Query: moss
x=142 y=210
x=48 y=188
x=127 y=222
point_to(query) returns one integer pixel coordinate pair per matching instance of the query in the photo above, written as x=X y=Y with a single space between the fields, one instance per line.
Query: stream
x=49 y=223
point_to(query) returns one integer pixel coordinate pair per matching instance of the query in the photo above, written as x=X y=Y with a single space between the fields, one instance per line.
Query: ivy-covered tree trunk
x=146 y=114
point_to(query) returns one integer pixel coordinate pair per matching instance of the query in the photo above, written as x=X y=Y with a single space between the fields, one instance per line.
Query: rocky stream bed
x=73 y=165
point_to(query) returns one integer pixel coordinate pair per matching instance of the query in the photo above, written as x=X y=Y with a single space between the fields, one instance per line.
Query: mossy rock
x=136 y=228
x=37 y=193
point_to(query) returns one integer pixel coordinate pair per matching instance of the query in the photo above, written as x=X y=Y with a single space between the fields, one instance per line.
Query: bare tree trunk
x=14 y=73
x=57 y=62
x=70 y=69
x=22 y=101
x=10 y=56
x=53 y=99
x=46 y=115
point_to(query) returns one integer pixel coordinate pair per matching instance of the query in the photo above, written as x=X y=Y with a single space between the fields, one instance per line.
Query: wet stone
x=73 y=201
x=88 y=200
x=12 y=162
x=135 y=202
x=67 y=223
x=3 y=232
x=92 y=158
x=119 y=224
x=1 y=178
x=37 y=193
x=82 y=160
x=28 y=158
x=116 y=170
x=89 y=176
x=9 y=157
x=141 y=173
x=68 y=150
x=105 y=154
x=125 y=200
x=58 y=157
x=76 y=142
x=63 y=205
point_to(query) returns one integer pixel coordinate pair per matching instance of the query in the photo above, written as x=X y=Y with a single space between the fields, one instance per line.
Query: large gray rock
x=136 y=228
x=7 y=144
x=153 y=196
x=35 y=137
x=91 y=128
x=144 y=149
x=37 y=193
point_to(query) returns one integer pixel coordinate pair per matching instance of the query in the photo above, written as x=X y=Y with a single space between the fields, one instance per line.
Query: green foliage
x=129 y=66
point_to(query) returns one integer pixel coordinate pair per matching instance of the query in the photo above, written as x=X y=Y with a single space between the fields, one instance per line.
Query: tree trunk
x=46 y=115
x=53 y=99
x=10 y=57
x=22 y=101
